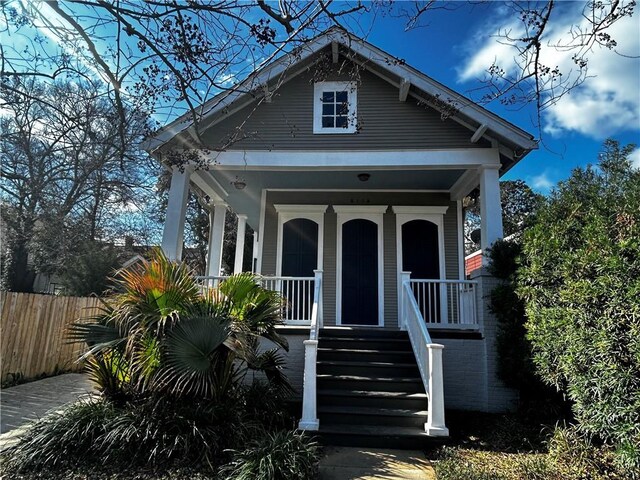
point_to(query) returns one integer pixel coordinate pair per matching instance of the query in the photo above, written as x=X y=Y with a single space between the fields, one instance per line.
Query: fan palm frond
x=195 y=350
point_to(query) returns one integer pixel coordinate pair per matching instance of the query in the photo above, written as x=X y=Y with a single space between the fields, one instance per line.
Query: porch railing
x=297 y=292
x=446 y=302
x=309 y=420
x=428 y=357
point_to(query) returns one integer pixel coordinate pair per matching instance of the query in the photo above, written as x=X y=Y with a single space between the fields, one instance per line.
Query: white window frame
x=315 y=213
x=435 y=215
x=352 y=100
x=374 y=213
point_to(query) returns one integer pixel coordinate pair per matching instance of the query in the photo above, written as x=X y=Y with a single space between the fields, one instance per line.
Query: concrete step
x=365 y=343
x=357 y=382
x=372 y=368
x=329 y=332
x=393 y=417
x=372 y=399
x=358 y=354
x=376 y=436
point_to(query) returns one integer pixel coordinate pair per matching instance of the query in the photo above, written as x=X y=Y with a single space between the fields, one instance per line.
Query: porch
x=380 y=268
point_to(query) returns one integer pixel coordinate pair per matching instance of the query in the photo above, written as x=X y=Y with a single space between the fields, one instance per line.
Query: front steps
x=370 y=393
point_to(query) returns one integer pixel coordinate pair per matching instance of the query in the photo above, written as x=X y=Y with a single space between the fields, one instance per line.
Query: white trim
x=200 y=181
x=453 y=158
x=404 y=87
x=263 y=212
x=465 y=183
x=364 y=209
x=352 y=101
x=477 y=135
x=434 y=215
x=373 y=213
x=292 y=209
x=473 y=254
x=315 y=213
x=427 y=210
x=461 y=267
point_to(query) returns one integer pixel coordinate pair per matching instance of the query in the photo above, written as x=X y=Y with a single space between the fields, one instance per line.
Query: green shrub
x=284 y=455
x=150 y=433
x=580 y=281
x=515 y=363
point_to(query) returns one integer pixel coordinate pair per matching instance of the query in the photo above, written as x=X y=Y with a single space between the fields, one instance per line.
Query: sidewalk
x=343 y=463
x=30 y=401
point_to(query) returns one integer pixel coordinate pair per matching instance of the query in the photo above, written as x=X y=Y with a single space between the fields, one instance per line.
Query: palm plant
x=161 y=333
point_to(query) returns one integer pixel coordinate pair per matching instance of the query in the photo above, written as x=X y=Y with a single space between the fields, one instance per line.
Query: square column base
x=436 y=431
x=311 y=426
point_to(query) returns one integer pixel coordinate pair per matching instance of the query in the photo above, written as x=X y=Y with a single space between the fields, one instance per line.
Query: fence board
x=33 y=331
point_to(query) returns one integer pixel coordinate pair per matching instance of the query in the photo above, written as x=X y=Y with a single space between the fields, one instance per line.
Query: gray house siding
x=286 y=123
x=270 y=241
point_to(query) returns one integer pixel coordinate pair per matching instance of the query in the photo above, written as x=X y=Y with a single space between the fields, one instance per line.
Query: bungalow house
x=351 y=167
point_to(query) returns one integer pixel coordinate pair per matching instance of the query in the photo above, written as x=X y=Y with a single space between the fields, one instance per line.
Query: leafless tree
x=63 y=176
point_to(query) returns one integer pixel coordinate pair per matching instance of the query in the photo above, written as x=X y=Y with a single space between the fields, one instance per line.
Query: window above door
x=335 y=107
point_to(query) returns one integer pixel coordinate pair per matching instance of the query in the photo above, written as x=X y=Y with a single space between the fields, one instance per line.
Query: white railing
x=446 y=302
x=296 y=291
x=309 y=420
x=428 y=357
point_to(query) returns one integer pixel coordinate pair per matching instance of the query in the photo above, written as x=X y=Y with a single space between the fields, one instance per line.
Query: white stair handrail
x=428 y=356
x=309 y=420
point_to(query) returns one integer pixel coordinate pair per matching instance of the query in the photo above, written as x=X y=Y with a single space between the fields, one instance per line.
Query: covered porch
x=397 y=211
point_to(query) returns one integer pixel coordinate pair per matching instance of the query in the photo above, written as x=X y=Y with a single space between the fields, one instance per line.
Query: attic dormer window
x=334 y=107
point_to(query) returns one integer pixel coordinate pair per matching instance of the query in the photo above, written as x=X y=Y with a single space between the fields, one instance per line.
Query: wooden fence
x=33 y=330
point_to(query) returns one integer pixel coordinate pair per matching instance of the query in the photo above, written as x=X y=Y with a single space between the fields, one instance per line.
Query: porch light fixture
x=363 y=177
x=239 y=184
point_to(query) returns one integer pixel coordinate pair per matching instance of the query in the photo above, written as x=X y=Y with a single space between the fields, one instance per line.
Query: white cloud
x=608 y=101
x=542 y=182
x=635 y=158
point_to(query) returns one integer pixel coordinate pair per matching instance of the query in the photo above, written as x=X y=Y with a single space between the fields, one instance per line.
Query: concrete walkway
x=30 y=401
x=343 y=463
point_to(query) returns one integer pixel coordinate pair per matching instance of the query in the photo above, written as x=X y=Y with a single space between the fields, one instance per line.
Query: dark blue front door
x=421 y=257
x=299 y=259
x=299 y=248
x=359 y=273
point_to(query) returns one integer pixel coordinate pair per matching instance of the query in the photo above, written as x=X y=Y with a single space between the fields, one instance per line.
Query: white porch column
x=242 y=225
x=405 y=277
x=490 y=207
x=254 y=253
x=435 y=411
x=216 y=237
x=309 y=420
x=173 y=234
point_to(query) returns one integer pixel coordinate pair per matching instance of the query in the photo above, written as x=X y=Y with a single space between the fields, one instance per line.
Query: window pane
x=327 y=122
x=327 y=96
x=341 y=122
x=343 y=108
x=341 y=97
x=328 y=109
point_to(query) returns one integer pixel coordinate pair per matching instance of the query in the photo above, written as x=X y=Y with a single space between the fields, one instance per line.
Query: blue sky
x=455 y=47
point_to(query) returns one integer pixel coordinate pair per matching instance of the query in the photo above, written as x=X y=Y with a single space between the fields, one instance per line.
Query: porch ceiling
x=247 y=201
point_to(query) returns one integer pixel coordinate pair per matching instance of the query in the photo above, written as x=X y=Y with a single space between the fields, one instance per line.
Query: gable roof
x=515 y=143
